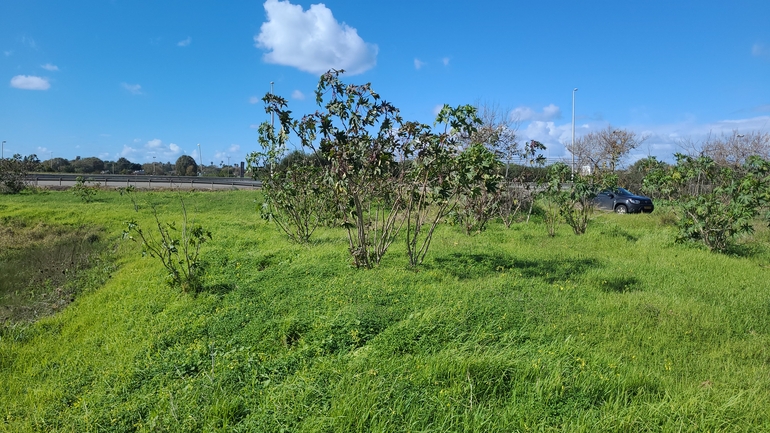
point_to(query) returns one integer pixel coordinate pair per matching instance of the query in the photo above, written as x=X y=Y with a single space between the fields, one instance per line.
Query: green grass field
x=510 y=330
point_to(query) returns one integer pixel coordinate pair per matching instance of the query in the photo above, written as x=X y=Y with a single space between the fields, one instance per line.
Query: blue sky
x=146 y=78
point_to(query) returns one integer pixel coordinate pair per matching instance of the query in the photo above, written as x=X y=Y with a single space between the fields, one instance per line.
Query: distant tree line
x=185 y=165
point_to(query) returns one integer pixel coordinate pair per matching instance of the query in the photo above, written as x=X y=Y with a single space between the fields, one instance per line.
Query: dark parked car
x=621 y=200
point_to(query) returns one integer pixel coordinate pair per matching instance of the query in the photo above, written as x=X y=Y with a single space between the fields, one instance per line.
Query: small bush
x=178 y=249
x=85 y=189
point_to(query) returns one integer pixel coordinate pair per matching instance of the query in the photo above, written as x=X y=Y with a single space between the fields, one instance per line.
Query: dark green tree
x=186 y=166
x=13 y=172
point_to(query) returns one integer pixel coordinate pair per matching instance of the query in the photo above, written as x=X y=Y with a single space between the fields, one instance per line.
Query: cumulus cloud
x=297 y=95
x=154 y=144
x=128 y=152
x=30 y=82
x=185 y=42
x=525 y=114
x=135 y=89
x=418 y=64
x=760 y=50
x=49 y=67
x=234 y=148
x=254 y=100
x=312 y=41
x=152 y=148
x=664 y=139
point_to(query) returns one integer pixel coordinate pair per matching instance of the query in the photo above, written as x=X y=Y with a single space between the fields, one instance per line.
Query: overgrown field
x=509 y=330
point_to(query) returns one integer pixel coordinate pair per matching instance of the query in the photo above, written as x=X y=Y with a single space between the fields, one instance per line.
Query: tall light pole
x=272 y=129
x=272 y=115
x=2 y=151
x=153 y=166
x=573 y=133
x=200 y=157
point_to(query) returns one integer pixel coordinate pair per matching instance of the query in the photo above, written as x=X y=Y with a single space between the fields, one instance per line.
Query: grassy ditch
x=42 y=266
x=510 y=330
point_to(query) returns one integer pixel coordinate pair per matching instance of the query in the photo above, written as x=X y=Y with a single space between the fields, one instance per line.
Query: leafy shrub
x=85 y=189
x=713 y=204
x=372 y=168
x=13 y=172
x=178 y=249
x=575 y=203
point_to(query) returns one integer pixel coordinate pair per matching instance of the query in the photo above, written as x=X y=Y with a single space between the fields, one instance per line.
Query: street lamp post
x=272 y=115
x=272 y=125
x=153 y=166
x=2 y=151
x=200 y=158
x=573 y=133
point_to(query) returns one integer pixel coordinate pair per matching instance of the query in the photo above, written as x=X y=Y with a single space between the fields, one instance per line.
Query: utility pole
x=272 y=128
x=573 y=133
x=200 y=158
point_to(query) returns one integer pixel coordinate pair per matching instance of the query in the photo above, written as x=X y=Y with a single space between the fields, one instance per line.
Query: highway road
x=45 y=180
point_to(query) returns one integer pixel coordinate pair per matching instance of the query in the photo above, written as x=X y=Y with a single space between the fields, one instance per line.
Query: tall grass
x=508 y=330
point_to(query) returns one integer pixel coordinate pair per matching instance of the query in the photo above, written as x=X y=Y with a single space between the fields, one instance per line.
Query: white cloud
x=135 y=89
x=445 y=61
x=49 y=67
x=254 y=126
x=128 y=152
x=156 y=147
x=254 y=100
x=663 y=142
x=185 y=42
x=8 y=53
x=312 y=41
x=524 y=114
x=30 y=82
x=418 y=64
x=760 y=50
x=437 y=109
x=297 y=95
x=234 y=148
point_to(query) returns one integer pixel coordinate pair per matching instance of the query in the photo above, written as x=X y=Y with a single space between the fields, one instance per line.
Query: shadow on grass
x=748 y=250
x=477 y=265
x=620 y=285
x=219 y=289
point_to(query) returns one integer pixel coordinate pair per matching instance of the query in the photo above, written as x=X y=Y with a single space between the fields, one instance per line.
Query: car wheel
x=621 y=208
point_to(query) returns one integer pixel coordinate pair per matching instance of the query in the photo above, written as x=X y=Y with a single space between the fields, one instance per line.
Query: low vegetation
x=642 y=323
x=619 y=329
